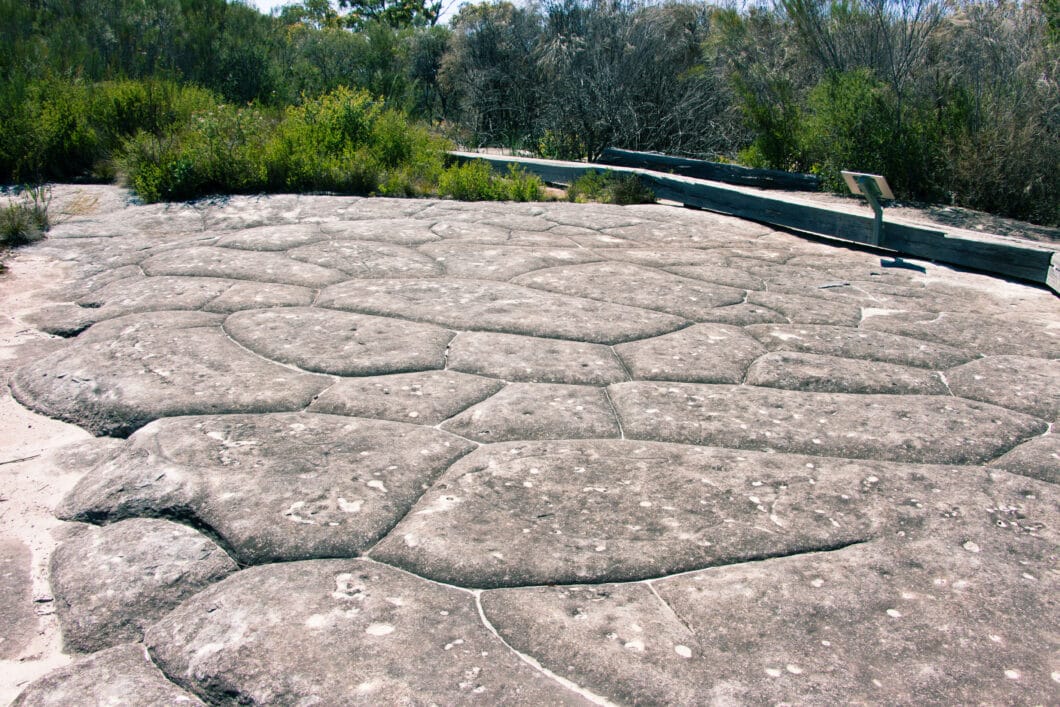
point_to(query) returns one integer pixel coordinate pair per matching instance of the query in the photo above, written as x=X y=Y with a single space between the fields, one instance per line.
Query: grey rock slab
x=588 y=511
x=500 y=262
x=259 y=295
x=703 y=353
x=121 y=374
x=16 y=598
x=496 y=306
x=534 y=360
x=662 y=257
x=538 y=411
x=624 y=283
x=719 y=275
x=744 y=314
x=912 y=428
x=707 y=230
x=339 y=343
x=64 y=320
x=272 y=238
x=463 y=231
x=1038 y=458
x=591 y=216
x=984 y=334
x=864 y=344
x=963 y=613
x=1030 y=385
x=344 y=632
x=273 y=487
x=365 y=259
x=808 y=310
x=90 y=278
x=406 y=232
x=425 y=398
x=208 y=261
x=122 y=675
x=110 y=583
x=279 y=237
x=830 y=374
x=152 y=294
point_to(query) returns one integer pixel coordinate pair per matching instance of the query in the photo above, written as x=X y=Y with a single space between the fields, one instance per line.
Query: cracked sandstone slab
x=538 y=411
x=209 y=261
x=121 y=374
x=497 y=306
x=965 y=598
x=339 y=343
x=830 y=374
x=273 y=487
x=360 y=633
x=534 y=360
x=526 y=513
x=908 y=428
x=702 y=353
x=425 y=398
x=110 y=583
x=635 y=286
x=847 y=342
x=120 y=675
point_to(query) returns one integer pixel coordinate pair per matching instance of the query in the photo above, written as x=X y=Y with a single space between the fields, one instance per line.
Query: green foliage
x=476 y=181
x=26 y=218
x=344 y=142
x=609 y=188
x=62 y=130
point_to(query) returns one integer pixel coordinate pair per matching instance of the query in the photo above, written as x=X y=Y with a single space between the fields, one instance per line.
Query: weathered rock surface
x=116 y=676
x=260 y=295
x=426 y=398
x=501 y=262
x=538 y=411
x=892 y=621
x=339 y=343
x=207 y=261
x=808 y=310
x=703 y=353
x=125 y=372
x=1030 y=385
x=16 y=598
x=496 y=306
x=534 y=360
x=863 y=344
x=365 y=259
x=1002 y=336
x=932 y=429
x=346 y=632
x=273 y=487
x=740 y=537
x=1038 y=458
x=831 y=374
x=110 y=583
x=632 y=285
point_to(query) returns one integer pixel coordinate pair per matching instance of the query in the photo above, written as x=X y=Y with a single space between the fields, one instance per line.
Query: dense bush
x=476 y=181
x=343 y=142
x=609 y=188
x=62 y=130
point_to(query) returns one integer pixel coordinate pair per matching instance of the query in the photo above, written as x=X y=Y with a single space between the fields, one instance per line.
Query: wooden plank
x=711 y=171
x=1023 y=260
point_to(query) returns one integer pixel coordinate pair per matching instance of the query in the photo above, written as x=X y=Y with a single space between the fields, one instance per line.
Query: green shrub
x=26 y=219
x=222 y=150
x=68 y=130
x=476 y=181
x=609 y=188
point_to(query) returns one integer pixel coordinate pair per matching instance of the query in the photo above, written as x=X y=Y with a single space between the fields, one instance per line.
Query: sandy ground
x=32 y=479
